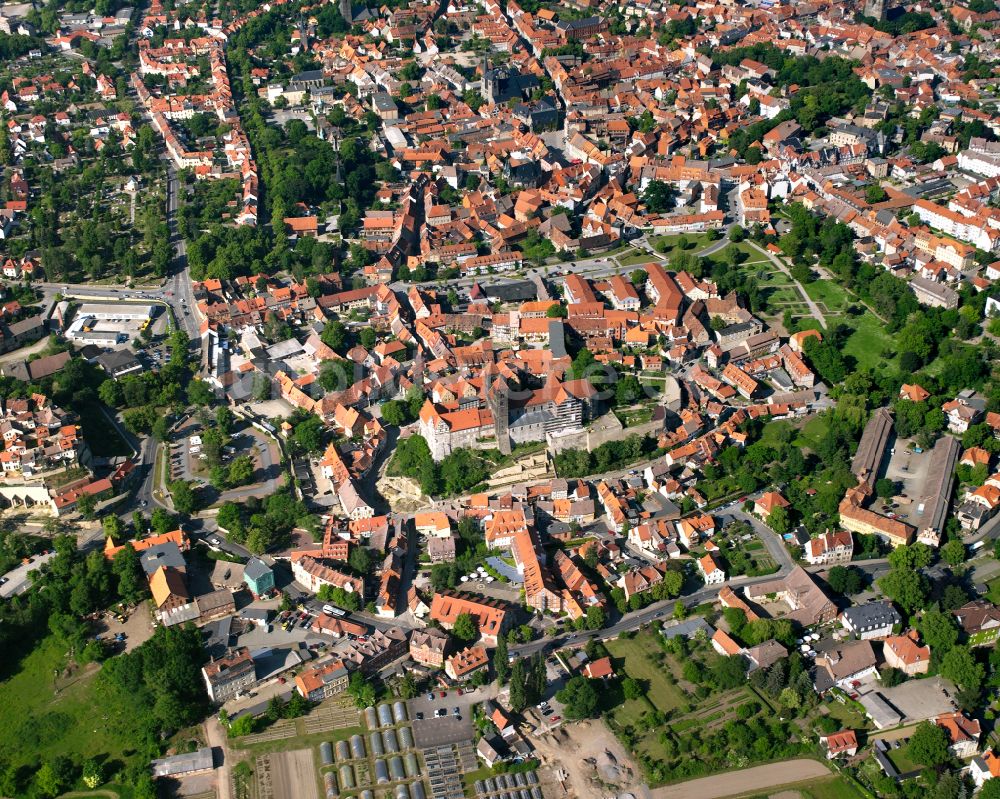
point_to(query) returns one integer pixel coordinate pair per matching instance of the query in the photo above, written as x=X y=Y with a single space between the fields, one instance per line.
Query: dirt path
x=216 y=737
x=747 y=781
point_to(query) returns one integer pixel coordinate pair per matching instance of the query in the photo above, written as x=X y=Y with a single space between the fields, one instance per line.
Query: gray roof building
x=871 y=617
x=180 y=765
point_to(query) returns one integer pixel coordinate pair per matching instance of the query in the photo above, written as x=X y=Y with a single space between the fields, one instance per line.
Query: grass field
x=813 y=431
x=833 y=297
x=807 y=435
x=695 y=243
x=868 y=341
x=632 y=656
x=635 y=257
x=42 y=716
x=832 y=787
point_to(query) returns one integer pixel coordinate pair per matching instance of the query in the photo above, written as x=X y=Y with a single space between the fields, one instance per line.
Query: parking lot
x=908 y=469
x=432 y=731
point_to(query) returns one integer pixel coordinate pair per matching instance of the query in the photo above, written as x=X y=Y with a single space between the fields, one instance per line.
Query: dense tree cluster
x=265 y=524
x=459 y=472
x=827 y=88
x=605 y=458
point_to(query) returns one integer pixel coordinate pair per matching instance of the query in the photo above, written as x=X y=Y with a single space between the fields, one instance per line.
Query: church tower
x=498 y=398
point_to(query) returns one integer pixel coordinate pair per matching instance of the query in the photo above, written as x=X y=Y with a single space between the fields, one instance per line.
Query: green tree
x=244 y=725
x=908 y=588
x=47 y=782
x=579 y=698
x=407 y=686
x=500 y=665
x=928 y=745
x=885 y=488
x=518 y=700
x=596 y=617
x=183 y=496
x=360 y=560
x=241 y=471
x=395 y=413
x=939 y=631
x=953 y=552
x=224 y=419
x=778 y=520
x=132 y=584
x=961 y=667
x=631 y=688
x=847 y=580
x=913 y=556
x=361 y=690
x=465 y=628
x=93 y=773
x=658 y=196
x=200 y=393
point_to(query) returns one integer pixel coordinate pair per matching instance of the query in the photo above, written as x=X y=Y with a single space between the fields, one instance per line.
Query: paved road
x=16 y=580
x=180 y=280
x=746 y=781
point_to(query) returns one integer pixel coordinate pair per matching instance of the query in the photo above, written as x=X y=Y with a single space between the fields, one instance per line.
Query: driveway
x=746 y=781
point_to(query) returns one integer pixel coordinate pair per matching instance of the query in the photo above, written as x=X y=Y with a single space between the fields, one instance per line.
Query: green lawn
x=813 y=431
x=833 y=297
x=833 y=787
x=786 y=294
x=901 y=760
x=808 y=435
x=868 y=341
x=635 y=258
x=42 y=716
x=695 y=243
x=632 y=655
x=102 y=437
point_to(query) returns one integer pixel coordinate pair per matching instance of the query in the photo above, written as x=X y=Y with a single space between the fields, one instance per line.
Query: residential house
x=462 y=665
x=711 y=572
x=871 y=620
x=904 y=652
x=845 y=665
x=229 y=676
x=840 y=744
x=829 y=548
x=963 y=733
x=984 y=767
x=492 y=618
x=429 y=647
x=259 y=577
x=979 y=621
x=322 y=681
